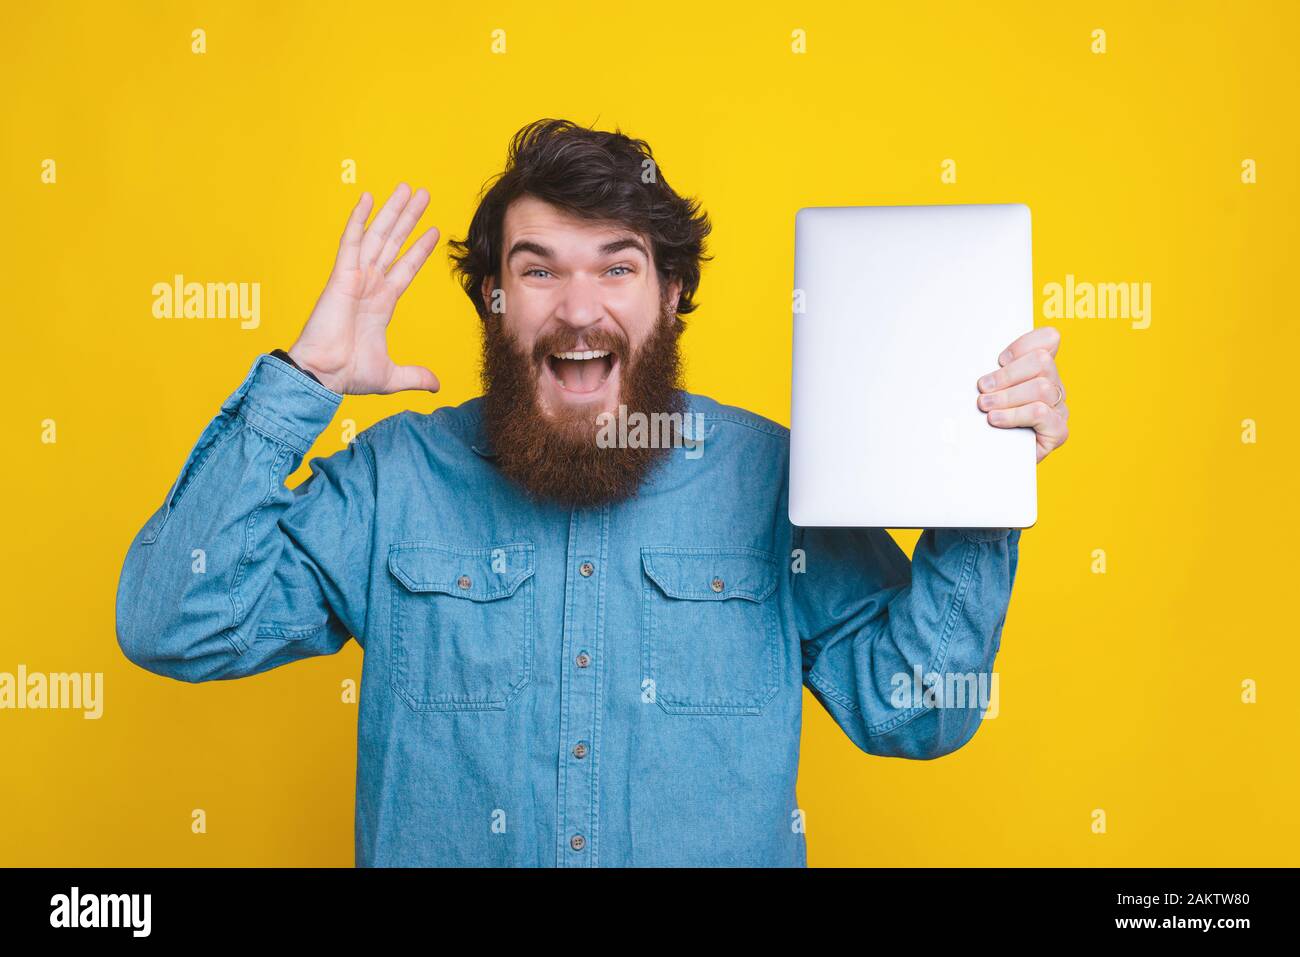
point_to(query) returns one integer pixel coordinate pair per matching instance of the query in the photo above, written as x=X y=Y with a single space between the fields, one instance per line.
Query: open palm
x=345 y=340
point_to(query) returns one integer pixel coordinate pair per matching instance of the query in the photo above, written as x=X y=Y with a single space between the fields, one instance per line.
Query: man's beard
x=557 y=458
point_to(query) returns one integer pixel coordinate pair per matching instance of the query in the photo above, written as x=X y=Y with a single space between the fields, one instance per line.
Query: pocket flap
x=711 y=574
x=479 y=574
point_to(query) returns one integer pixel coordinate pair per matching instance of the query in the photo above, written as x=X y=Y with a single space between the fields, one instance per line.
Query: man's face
x=580 y=298
x=582 y=329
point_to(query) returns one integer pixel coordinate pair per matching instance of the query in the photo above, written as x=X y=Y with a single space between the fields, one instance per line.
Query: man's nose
x=580 y=306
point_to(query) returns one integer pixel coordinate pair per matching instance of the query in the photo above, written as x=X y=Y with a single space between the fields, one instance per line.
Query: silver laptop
x=898 y=310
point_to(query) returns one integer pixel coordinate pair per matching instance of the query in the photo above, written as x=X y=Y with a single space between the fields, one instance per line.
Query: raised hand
x=345 y=340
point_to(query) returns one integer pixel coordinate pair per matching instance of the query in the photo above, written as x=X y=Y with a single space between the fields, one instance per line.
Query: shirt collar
x=479 y=440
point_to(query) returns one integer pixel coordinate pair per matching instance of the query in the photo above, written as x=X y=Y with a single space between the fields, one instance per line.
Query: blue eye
x=528 y=272
x=612 y=268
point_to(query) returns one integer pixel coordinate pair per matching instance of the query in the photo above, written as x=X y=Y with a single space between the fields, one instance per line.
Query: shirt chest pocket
x=710 y=636
x=462 y=624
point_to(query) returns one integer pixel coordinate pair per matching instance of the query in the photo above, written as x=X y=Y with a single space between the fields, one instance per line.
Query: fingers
x=350 y=244
x=1047 y=338
x=1038 y=389
x=1039 y=416
x=1050 y=424
x=1030 y=365
x=377 y=235
x=1026 y=391
x=402 y=378
x=405 y=223
x=404 y=270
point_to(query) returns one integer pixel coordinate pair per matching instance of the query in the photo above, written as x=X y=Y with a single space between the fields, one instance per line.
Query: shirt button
x=580 y=750
x=583 y=659
x=586 y=568
x=577 y=842
x=717 y=584
x=463 y=581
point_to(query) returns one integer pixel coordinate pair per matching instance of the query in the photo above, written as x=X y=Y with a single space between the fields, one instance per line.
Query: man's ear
x=674 y=294
x=487 y=293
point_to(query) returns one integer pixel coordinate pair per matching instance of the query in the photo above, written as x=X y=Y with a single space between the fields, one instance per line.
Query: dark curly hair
x=596 y=175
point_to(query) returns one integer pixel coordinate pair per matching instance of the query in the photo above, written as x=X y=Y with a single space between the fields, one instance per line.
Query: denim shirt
x=616 y=686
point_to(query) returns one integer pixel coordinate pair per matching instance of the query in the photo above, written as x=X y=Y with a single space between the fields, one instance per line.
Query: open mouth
x=581 y=372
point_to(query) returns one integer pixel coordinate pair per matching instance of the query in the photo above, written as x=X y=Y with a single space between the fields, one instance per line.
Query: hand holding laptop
x=1027 y=390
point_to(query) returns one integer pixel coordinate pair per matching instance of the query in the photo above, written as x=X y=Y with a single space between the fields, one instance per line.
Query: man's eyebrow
x=528 y=246
x=607 y=249
x=618 y=245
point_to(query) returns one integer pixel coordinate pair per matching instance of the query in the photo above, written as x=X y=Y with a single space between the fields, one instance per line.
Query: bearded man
x=577 y=653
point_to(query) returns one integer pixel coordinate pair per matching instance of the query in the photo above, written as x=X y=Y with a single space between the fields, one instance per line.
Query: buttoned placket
x=578 y=801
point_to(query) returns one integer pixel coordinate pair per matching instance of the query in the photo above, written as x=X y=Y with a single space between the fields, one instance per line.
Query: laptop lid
x=898 y=311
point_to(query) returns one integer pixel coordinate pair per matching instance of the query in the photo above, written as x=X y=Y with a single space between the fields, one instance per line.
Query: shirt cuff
x=283 y=403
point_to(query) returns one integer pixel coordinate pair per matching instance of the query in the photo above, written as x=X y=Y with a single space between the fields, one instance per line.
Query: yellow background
x=1119 y=691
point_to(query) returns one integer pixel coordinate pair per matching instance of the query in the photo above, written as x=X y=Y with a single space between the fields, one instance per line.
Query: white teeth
x=594 y=354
